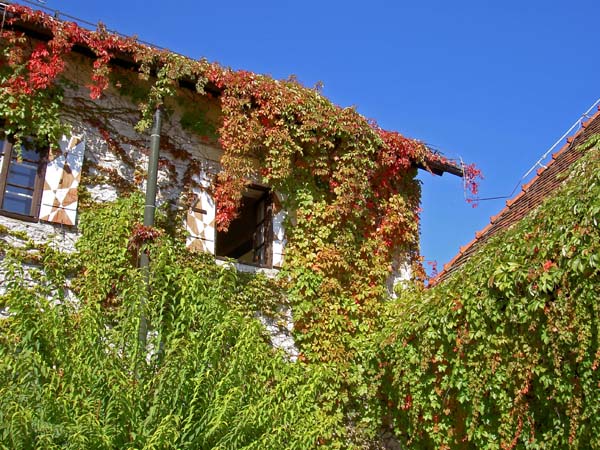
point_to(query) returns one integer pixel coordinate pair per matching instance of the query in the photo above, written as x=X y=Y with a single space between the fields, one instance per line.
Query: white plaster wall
x=280 y=329
x=63 y=238
x=400 y=275
x=88 y=119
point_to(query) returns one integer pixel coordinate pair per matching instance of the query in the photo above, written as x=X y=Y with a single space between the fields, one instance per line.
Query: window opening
x=21 y=179
x=250 y=235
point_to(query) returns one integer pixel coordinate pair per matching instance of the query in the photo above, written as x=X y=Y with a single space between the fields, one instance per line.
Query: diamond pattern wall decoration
x=63 y=174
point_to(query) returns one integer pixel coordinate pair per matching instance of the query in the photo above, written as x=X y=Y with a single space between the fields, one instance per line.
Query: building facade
x=104 y=156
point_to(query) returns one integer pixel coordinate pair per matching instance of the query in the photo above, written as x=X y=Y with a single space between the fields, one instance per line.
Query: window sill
x=32 y=219
x=247 y=268
x=18 y=216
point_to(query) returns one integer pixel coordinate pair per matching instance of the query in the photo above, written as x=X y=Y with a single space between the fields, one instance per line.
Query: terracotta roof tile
x=452 y=261
x=482 y=232
x=562 y=149
x=526 y=186
x=531 y=196
x=512 y=201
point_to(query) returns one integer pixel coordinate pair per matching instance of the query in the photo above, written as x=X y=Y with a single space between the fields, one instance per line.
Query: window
x=21 y=179
x=250 y=236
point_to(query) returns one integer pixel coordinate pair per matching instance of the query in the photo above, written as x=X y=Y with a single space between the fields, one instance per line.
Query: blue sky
x=494 y=83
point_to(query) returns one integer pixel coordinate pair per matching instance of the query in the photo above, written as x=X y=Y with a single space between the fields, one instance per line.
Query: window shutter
x=279 y=239
x=200 y=219
x=63 y=174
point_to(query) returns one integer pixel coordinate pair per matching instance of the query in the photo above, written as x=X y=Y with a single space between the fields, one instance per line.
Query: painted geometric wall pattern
x=63 y=174
x=200 y=219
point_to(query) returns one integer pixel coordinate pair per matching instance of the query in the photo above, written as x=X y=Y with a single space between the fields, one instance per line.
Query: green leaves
x=210 y=380
x=505 y=353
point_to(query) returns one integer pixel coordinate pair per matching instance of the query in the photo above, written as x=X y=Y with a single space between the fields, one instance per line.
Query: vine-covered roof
x=431 y=160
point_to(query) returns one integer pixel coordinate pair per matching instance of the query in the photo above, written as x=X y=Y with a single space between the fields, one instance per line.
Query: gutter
x=149 y=213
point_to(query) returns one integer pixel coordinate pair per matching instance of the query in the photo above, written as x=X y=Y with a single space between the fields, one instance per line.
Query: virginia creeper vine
x=349 y=185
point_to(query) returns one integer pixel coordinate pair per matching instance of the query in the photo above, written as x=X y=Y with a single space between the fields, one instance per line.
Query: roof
x=532 y=194
x=437 y=164
x=433 y=161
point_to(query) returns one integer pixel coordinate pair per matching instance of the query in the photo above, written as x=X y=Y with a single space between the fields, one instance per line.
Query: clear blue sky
x=495 y=83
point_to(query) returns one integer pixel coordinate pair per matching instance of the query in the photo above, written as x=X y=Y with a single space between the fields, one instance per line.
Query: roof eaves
x=437 y=164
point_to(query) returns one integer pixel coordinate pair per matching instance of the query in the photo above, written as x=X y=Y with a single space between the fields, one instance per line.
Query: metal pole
x=149 y=209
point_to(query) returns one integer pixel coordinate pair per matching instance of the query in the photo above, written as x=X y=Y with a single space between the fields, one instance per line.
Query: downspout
x=149 y=209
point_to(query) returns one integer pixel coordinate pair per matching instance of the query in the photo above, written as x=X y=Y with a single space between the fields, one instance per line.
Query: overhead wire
x=58 y=14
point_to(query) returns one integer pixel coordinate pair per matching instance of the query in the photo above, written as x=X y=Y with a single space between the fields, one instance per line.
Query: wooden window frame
x=264 y=230
x=263 y=227
x=38 y=187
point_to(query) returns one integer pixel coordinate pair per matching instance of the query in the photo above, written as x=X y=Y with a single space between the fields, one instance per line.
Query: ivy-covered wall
x=349 y=185
x=116 y=155
x=505 y=353
x=353 y=199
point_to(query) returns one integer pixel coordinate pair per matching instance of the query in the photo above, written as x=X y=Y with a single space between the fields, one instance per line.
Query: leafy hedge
x=505 y=354
x=72 y=376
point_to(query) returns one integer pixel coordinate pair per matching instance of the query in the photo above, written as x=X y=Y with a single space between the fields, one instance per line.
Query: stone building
x=103 y=156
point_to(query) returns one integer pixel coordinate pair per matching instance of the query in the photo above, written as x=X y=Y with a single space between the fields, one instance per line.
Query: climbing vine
x=505 y=354
x=211 y=379
x=349 y=184
x=504 y=357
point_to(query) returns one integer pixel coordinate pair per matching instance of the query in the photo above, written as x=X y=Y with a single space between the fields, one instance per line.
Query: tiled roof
x=531 y=196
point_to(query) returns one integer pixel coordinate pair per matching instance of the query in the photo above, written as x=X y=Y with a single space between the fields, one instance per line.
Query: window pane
x=20 y=191
x=21 y=174
x=17 y=200
x=27 y=154
x=20 y=178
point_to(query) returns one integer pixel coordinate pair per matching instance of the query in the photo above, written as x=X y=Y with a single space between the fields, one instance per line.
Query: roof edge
x=481 y=236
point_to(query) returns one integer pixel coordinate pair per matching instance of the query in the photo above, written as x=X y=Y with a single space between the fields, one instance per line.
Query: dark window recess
x=21 y=179
x=250 y=236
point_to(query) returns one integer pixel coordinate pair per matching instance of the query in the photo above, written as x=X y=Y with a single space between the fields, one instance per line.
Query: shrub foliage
x=72 y=376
